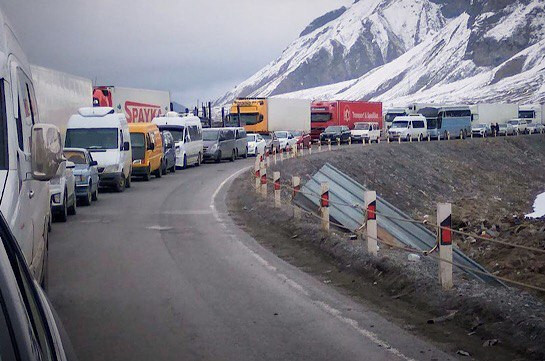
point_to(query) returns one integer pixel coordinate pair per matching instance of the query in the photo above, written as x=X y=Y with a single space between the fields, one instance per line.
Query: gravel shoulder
x=491 y=182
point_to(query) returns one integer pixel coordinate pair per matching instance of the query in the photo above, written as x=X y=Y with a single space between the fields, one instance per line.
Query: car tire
x=173 y=168
x=94 y=196
x=86 y=201
x=199 y=160
x=245 y=153
x=158 y=173
x=73 y=208
x=128 y=180
x=146 y=177
x=120 y=186
x=233 y=156
x=164 y=169
x=218 y=158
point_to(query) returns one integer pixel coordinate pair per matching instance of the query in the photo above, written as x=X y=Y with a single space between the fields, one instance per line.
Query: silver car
x=506 y=129
x=219 y=144
x=481 y=130
x=62 y=190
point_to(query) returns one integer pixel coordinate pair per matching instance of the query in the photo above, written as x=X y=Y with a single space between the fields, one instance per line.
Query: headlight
x=111 y=168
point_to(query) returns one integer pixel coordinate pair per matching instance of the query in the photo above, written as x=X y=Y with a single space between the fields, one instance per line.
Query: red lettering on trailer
x=140 y=112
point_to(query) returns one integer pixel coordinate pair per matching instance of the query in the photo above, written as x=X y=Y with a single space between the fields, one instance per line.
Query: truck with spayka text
x=138 y=105
x=340 y=112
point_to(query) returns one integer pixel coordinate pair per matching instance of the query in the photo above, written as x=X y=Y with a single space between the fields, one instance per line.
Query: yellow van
x=147 y=150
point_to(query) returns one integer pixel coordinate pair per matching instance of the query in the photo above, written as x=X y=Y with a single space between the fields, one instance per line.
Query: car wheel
x=159 y=172
x=147 y=175
x=233 y=156
x=164 y=169
x=199 y=160
x=86 y=201
x=62 y=216
x=94 y=196
x=120 y=186
x=173 y=168
x=245 y=153
x=128 y=180
x=185 y=162
x=218 y=158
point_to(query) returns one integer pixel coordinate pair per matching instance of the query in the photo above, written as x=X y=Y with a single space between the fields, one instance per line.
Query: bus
x=451 y=121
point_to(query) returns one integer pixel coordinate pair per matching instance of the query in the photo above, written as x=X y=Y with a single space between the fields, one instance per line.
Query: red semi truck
x=340 y=112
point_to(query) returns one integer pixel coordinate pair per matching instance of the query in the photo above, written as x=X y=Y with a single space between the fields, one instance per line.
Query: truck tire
x=128 y=180
x=120 y=186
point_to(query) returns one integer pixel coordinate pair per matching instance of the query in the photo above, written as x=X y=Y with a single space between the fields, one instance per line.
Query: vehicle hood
x=80 y=169
x=359 y=131
x=106 y=158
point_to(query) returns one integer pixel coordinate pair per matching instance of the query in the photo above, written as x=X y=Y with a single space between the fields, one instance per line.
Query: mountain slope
x=368 y=34
x=440 y=51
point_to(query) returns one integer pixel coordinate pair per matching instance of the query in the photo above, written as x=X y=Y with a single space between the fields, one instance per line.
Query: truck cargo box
x=288 y=114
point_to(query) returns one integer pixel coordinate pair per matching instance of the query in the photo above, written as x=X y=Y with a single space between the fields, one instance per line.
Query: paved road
x=161 y=273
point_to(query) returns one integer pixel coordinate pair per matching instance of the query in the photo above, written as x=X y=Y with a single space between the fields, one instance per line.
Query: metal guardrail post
x=371 y=229
x=263 y=173
x=296 y=184
x=324 y=205
x=276 y=180
x=444 y=233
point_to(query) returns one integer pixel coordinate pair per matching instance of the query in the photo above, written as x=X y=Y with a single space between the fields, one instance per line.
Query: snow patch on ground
x=539 y=207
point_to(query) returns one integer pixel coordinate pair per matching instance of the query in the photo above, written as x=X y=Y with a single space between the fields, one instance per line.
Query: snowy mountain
x=401 y=51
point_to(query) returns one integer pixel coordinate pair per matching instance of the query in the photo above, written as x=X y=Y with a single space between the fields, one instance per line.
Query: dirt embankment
x=491 y=182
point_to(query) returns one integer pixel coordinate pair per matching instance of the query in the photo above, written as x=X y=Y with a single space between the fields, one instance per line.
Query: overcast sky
x=196 y=49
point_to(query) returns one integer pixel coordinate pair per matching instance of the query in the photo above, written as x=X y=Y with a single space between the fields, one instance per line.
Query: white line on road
x=293 y=284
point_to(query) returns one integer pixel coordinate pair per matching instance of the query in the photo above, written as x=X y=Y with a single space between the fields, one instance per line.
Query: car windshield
x=75 y=157
x=320 y=117
x=389 y=117
x=503 y=125
x=177 y=132
x=266 y=136
x=400 y=124
x=297 y=133
x=138 y=140
x=92 y=138
x=281 y=134
x=513 y=122
x=251 y=138
x=209 y=134
x=361 y=126
x=333 y=129
x=480 y=126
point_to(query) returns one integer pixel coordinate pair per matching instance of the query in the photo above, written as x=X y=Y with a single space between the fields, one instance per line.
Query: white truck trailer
x=59 y=95
x=488 y=113
x=139 y=105
x=532 y=113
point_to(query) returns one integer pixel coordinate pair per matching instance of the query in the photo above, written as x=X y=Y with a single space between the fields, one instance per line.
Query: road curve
x=160 y=272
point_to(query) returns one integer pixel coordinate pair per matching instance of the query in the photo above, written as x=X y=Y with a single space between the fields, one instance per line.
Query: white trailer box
x=494 y=113
x=288 y=114
x=139 y=105
x=59 y=95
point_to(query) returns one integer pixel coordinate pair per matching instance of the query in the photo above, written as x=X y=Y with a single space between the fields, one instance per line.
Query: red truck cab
x=341 y=112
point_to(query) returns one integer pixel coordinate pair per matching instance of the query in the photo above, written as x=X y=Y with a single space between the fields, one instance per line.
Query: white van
x=105 y=134
x=30 y=155
x=365 y=132
x=187 y=133
x=408 y=127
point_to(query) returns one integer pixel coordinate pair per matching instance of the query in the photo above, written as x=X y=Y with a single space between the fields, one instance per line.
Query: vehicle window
x=333 y=129
x=361 y=126
x=241 y=134
x=198 y=133
x=3 y=128
x=209 y=135
x=320 y=117
x=400 y=124
x=251 y=138
x=229 y=134
x=138 y=140
x=75 y=157
x=92 y=138
x=418 y=124
x=281 y=134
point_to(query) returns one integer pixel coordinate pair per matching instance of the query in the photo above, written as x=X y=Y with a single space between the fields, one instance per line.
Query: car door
x=24 y=214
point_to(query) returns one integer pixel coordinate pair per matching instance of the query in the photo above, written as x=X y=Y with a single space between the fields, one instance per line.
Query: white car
x=481 y=130
x=62 y=190
x=256 y=144
x=408 y=127
x=365 y=132
x=519 y=125
x=286 y=139
x=506 y=129
x=534 y=128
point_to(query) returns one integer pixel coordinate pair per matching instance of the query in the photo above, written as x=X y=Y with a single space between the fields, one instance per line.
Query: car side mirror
x=151 y=146
x=93 y=163
x=70 y=165
x=46 y=151
x=126 y=146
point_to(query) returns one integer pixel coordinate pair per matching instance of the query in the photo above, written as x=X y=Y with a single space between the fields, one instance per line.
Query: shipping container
x=59 y=95
x=327 y=113
x=139 y=105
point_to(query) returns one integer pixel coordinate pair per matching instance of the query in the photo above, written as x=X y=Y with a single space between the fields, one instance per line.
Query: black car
x=169 y=150
x=29 y=327
x=335 y=132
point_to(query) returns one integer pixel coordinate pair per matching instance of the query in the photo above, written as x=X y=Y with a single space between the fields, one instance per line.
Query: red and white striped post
x=268 y=158
x=276 y=180
x=372 y=234
x=257 y=166
x=319 y=146
x=296 y=184
x=263 y=174
x=310 y=148
x=324 y=206
x=444 y=219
